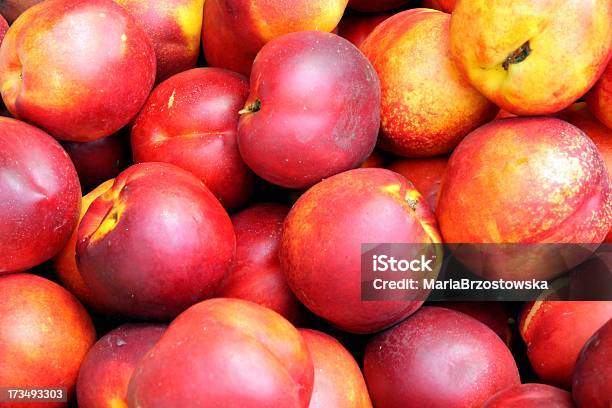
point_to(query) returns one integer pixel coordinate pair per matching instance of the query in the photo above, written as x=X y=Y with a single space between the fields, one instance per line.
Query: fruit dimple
x=518 y=55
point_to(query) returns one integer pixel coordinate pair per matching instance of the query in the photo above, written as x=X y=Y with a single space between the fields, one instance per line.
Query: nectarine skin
x=446 y=6
x=530 y=396
x=108 y=366
x=191 y=120
x=174 y=27
x=155 y=243
x=44 y=336
x=592 y=381
x=321 y=244
x=313 y=110
x=338 y=381
x=437 y=358
x=579 y=116
x=532 y=57
x=40 y=196
x=81 y=70
x=256 y=274
x=233 y=31
x=599 y=99
x=422 y=117
x=556 y=331
x=65 y=264
x=225 y=352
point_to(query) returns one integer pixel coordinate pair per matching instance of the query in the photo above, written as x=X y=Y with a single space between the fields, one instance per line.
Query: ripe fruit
x=556 y=331
x=427 y=105
x=239 y=353
x=174 y=27
x=39 y=196
x=321 y=244
x=313 y=110
x=529 y=168
x=234 y=31
x=44 y=335
x=599 y=98
x=79 y=69
x=106 y=371
x=592 y=385
x=532 y=57
x=256 y=274
x=530 y=396
x=155 y=243
x=438 y=358
x=425 y=174
x=65 y=264
x=338 y=381
x=99 y=160
x=191 y=120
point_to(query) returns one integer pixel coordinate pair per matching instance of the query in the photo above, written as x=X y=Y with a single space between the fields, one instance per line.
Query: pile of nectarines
x=190 y=182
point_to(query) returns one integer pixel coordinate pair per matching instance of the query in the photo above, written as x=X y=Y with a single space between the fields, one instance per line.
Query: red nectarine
x=155 y=243
x=313 y=110
x=39 y=196
x=437 y=358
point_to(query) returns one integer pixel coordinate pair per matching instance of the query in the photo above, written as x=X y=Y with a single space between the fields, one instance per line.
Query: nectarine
x=79 y=69
x=313 y=110
x=191 y=120
x=39 y=196
x=256 y=274
x=592 y=381
x=532 y=57
x=338 y=381
x=155 y=243
x=108 y=366
x=44 y=336
x=556 y=331
x=174 y=27
x=427 y=104
x=437 y=358
x=225 y=352
x=321 y=244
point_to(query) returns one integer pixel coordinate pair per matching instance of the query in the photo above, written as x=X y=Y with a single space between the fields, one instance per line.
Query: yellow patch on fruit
x=189 y=19
x=118 y=403
x=110 y=221
x=532 y=312
x=393 y=189
x=95 y=193
x=171 y=99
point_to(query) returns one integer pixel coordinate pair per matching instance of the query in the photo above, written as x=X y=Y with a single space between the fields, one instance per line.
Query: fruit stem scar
x=518 y=55
x=251 y=108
